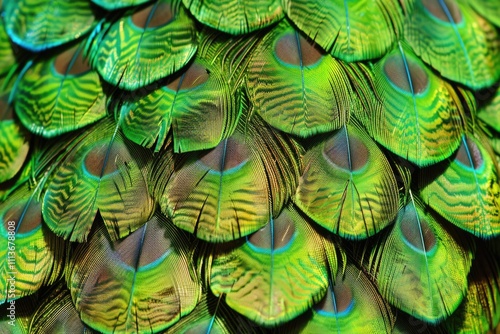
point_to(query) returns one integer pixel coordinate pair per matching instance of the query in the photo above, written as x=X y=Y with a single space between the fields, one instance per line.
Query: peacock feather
x=230 y=166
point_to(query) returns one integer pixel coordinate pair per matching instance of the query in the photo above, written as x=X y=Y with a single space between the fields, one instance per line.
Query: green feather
x=57 y=314
x=236 y=188
x=198 y=104
x=454 y=40
x=234 y=16
x=19 y=321
x=420 y=265
x=115 y=285
x=277 y=274
x=489 y=9
x=40 y=24
x=480 y=311
x=466 y=191
x=145 y=46
x=60 y=94
x=213 y=316
x=290 y=83
x=31 y=256
x=348 y=186
x=14 y=142
x=7 y=58
x=117 y=4
x=350 y=30
x=352 y=304
x=100 y=171
x=421 y=118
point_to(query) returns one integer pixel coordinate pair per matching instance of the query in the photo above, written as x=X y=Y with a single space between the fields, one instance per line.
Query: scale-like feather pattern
x=234 y=16
x=145 y=46
x=198 y=104
x=102 y=171
x=234 y=189
x=352 y=304
x=348 y=186
x=466 y=191
x=40 y=24
x=454 y=40
x=421 y=118
x=297 y=88
x=421 y=267
x=277 y=274
x=142 y=283
x=60 y=94
x=31 y=255
x=350 y=30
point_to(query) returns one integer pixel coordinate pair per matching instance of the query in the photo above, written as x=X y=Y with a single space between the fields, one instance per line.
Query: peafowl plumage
x=256 y=166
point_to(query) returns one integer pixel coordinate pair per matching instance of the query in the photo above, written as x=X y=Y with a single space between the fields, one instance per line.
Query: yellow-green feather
x=348 y=186
x=59 y=94
x=350 y=30
x=40 y=24
x=421 y=265
x=277 y=274
x=466 y=189
x=454 y=40
x=236 y=17
x=116 y=287
x=145 y=46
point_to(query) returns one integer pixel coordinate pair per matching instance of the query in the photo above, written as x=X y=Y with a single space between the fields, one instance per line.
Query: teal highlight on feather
x=146 y=45
x=452 y=38
x=41 y=24
x=118 y=4
x=473 y=175
x=198 y=104
x=421 y=265
x=59 y=94
x=290 y=84
x=350 y=30
x=124 y=273
x=414 y=101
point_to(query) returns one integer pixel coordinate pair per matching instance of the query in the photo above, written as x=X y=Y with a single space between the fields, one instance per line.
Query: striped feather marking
x=41 y=24
x=351 y=304
x=466 y=191
x=290 y=85
x=14 y=142
x=233 y=189
x=422 y=116
x=197 y=103
x=350 y=30
x=236 y=17
x=59 y=95
x=100 y=172
x=453 y=39
x=32 y=255
x=421 y=265
x=348 y=186
x=144 y=282
x=150 y=44
x=277 y=274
